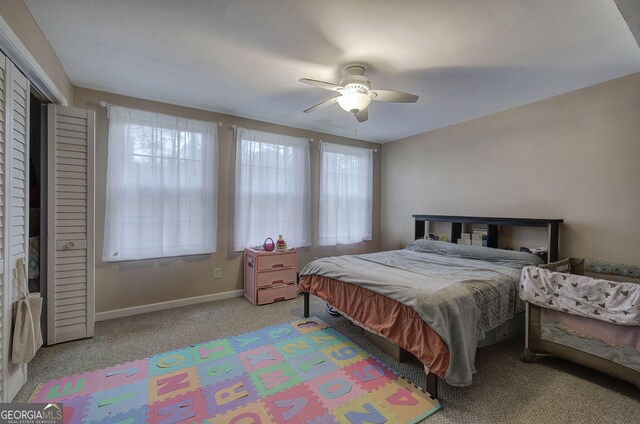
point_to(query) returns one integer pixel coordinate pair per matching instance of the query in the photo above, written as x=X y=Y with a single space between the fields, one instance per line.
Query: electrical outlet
x=217 y=272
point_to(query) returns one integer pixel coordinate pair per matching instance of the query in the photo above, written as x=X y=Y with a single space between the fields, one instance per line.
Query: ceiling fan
x=355 y=93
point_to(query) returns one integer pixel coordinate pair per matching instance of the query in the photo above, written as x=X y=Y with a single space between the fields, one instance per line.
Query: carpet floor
x=505 y=390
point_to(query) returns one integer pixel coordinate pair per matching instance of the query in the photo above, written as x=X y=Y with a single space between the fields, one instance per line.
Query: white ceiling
x=464 y=58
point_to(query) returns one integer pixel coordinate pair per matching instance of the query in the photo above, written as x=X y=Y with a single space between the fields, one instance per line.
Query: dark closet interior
x=36 y=271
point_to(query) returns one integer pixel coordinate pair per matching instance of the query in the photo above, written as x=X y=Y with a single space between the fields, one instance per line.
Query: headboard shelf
x=553 y=228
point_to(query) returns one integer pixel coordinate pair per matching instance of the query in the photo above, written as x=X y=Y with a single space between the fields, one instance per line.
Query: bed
x=586 y=312
x=434 y=299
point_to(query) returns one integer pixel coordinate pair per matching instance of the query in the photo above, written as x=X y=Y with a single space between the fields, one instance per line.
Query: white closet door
x=15 y=240
x=70 y=238
x=5 y=322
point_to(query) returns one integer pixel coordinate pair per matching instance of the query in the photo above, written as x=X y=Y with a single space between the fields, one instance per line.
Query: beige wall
x=16 y=14
x=127 y=284
x=575 y=156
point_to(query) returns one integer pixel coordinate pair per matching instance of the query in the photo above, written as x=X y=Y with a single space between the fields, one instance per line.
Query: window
x=161 y=186
x=272 y=189
x=346 y=194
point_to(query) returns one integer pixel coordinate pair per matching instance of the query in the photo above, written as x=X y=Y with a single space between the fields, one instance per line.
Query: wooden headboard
x=553 y=228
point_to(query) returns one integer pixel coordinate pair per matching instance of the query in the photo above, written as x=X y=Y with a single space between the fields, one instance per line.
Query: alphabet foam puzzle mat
x=298 y=372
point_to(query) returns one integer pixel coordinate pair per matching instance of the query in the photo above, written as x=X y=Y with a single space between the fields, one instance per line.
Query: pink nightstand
x=270 y=276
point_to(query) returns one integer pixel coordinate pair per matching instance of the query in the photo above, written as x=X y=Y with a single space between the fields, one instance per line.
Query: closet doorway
x=61 y=254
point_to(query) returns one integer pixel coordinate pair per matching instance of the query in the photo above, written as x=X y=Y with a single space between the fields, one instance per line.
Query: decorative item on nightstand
x=270 y=276
x=280 y=244
x=268 y=245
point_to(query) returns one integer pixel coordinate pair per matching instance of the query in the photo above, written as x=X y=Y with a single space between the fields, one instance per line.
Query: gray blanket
x=460 y=291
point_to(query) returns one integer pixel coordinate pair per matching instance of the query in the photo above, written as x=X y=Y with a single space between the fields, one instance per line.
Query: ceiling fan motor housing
x=354 y=97
x=358 y=83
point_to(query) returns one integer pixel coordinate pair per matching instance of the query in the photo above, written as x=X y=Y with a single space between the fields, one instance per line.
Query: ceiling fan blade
x=392 y=96
x=322 y=104
x=363 y=115
x=321 y=84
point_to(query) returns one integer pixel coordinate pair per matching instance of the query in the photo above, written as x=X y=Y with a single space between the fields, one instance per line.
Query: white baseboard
x=160 y=306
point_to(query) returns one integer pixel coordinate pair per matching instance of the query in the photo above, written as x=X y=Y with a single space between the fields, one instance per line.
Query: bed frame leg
x=306 y=304
x=432 y=385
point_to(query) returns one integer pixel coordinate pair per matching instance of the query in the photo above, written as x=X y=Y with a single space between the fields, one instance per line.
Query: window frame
x=336 y=201
x=169 y=184
x=252 y=203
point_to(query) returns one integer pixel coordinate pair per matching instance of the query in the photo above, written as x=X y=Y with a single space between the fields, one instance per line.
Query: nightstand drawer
x=283 y=276
x=277 y=260
x=270 y=295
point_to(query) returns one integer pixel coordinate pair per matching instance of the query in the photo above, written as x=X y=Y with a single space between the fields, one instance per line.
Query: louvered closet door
x=15 y=210
x=70 y=239
x=3 y=325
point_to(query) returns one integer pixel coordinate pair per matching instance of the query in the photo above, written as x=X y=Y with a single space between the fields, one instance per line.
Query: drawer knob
x=71 y=245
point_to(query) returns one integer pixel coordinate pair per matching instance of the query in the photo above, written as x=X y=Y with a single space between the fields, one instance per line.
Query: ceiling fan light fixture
x=354 y=101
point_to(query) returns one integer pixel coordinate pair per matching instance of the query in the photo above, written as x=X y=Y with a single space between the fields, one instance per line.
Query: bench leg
x=306 y=304
x=432 y=385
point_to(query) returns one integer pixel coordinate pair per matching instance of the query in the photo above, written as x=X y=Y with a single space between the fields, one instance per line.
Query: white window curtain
x=346 y=194
x=161 y=186
x=272 y=192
